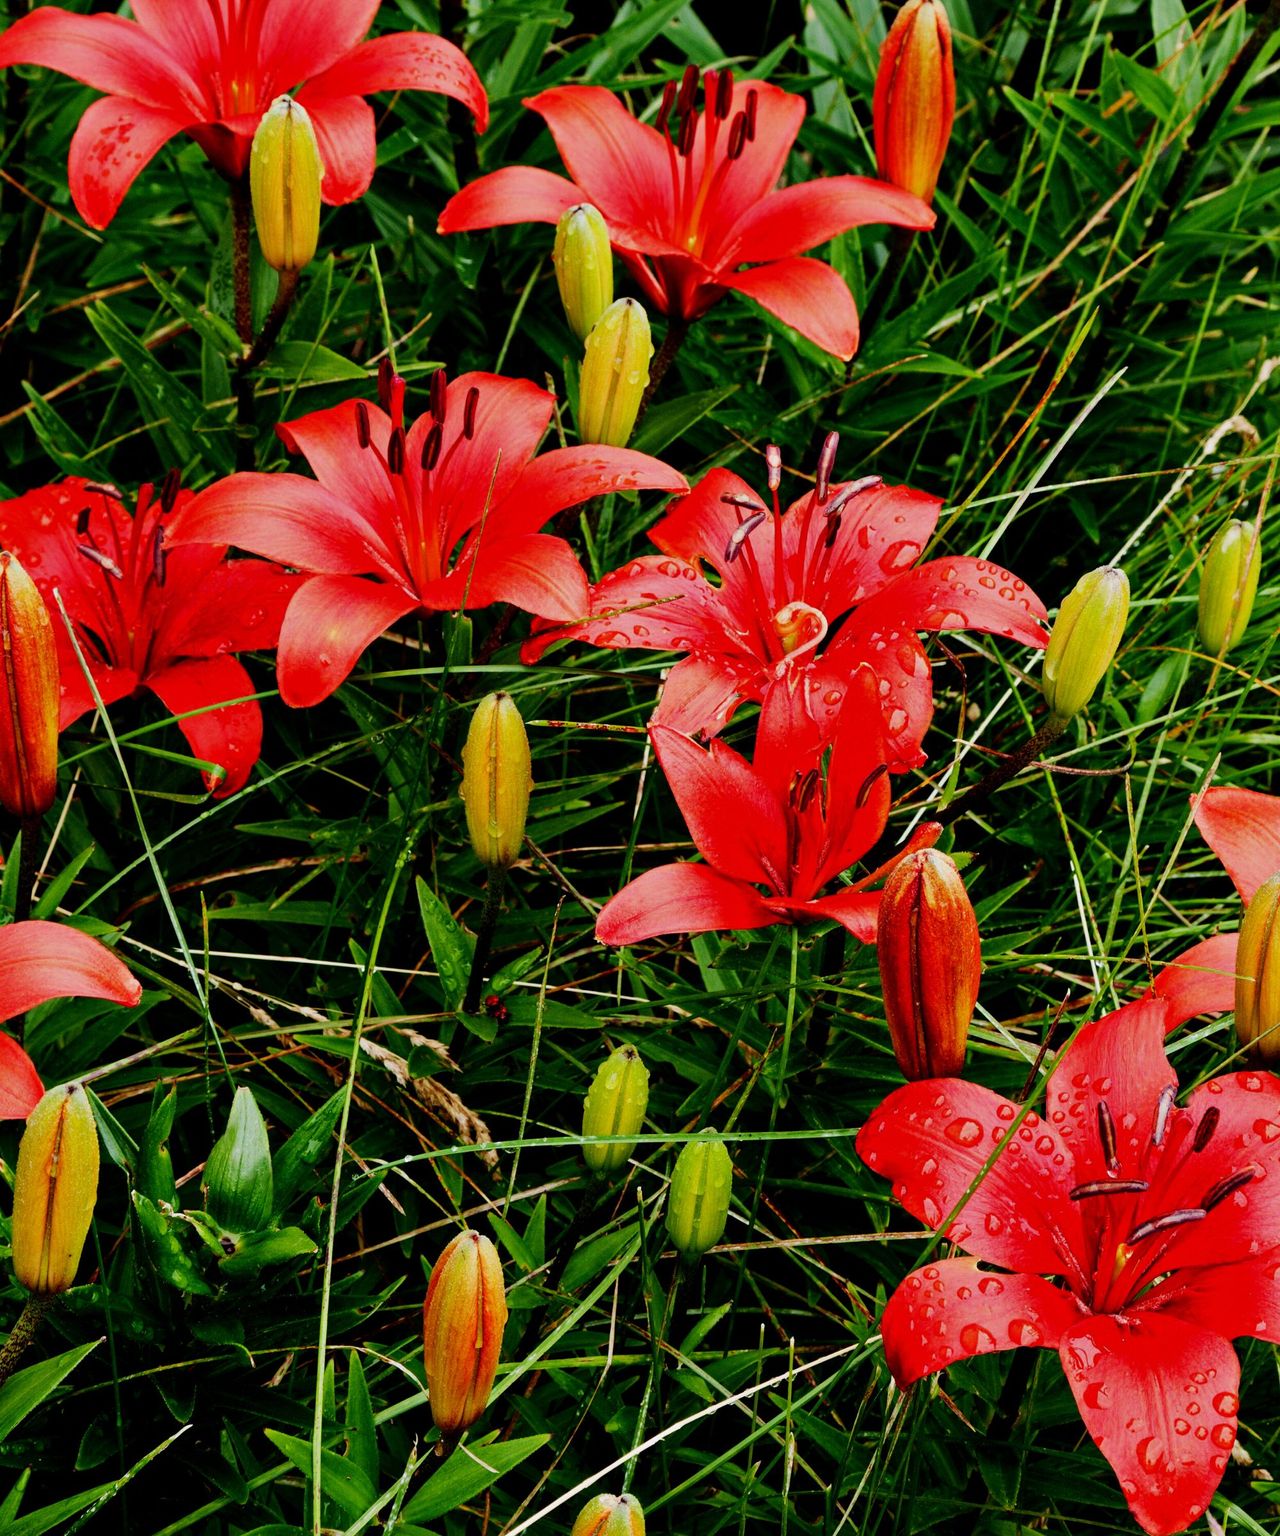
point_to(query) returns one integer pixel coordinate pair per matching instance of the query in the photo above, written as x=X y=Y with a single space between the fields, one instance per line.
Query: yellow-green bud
x=584 y=267
x=54 y=1190
x=285 y=172
x=1228 y=586
x=615 y=1106
x=615 y=374
x=1258 y=974
x=1084 y=640
x=462 y=1322
x=698 y=1200
x=496 y=779
x=610 y=1515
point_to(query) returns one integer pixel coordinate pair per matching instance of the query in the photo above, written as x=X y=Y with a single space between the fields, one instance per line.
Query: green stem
x=1013 y=764
x=266 y=337
x=28 y=865
x=677 y=330
x=22 y=1334
x=484 y=938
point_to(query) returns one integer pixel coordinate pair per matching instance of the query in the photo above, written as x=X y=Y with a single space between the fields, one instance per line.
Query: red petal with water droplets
x=401 y=61
x=933 y=1139
x=1201 y=980
x=698 y=527
x=735 y=820
x=237 y=606
x=700 y=695
x=1146 y=1386
x=961 y=593
x=805 y=294
x=882 y=533
x=1242 y=826
x=112 y=683
x=681 y=898
x=40 y=961
x=567 y=476
x=536 y=572
x=857 y=795
x=517 y=194
x=951 y=1310
x=327 y=626
x=1237 y=1300
x=230 y=737
x=797 y=218
x=904 y=685
x=114 y=141
x=347 y=138
x=1118 y=1059
x=20 y=1086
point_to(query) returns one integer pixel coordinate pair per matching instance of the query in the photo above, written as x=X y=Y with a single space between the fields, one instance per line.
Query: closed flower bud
x=615 y=374
x=284 y=179
x=1258 y=975
x=915 y=98
x=698 y=1200
x=1228 y=586
x=1085 y=638
x=238 y=1181
x=29 y=710
x=54 y=1190
x=610 y=1515
x=615 y=1106
x=496 y=780
x=462 y=1322
x=584 y=267
x=930 y=960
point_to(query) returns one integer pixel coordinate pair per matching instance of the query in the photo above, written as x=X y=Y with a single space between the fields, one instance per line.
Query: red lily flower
x=1242 y=826
x=771 y=823
x=211 y=68
x=40 y=961
x=689 y=202
x=842 y=555
x=1162 y=1223
x=149 y=618
x=443 y=516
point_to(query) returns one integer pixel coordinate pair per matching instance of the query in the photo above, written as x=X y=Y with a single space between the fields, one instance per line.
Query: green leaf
x=54 y=1516
x=25 y=1390
x=451 y=946
x=237 y=1177
x=119 y=1146
x=362 y=1434
x=264 y=1249
x=59 y=440
x=469 y=1471
x=670 y=420
x=304 y=1149
x=340 y=1479
x=309 y=361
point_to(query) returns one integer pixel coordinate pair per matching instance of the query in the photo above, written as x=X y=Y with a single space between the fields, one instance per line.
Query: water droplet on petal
x=965 y=1133
x=976 y=1339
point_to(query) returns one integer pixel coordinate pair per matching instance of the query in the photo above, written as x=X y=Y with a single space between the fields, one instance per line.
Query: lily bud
x=285 y=172
x=698 y=1200
x=915 y=98
x=610 y=1515
x=1258 y=974
x=930 y=960
x=1228 y=586
x=615 y=374
x=496 y=779
x=1085 y=638
x=54 y=1190
x=29 y=711
x=615 y=1106
x=462 y=1322
x=238 y=1181
x=583 y=261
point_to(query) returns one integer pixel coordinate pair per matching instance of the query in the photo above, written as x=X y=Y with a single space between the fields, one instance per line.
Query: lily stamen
x=1227 y=1187
x=1163 y=1224
x=1204 y=1131
x=1094 y=1187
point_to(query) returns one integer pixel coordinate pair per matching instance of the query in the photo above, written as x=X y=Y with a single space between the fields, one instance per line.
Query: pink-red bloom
x=40 y=961
x=149 y=617
x=211 y=68
x=780 y=822
x=442 y=515
x=801 y=600
x=1161 y=1225
x=691 y=202
x=1242 y=826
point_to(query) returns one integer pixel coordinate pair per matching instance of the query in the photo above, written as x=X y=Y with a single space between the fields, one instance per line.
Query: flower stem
x=886 y=287
x=28 y=864
x=484 y=939
x=1013 y=764
x=677 y=330
x=241 y=220
x=22 y=1334
x=266 y=337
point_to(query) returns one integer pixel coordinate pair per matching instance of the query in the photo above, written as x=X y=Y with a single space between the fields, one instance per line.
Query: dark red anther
x=868 y=784
x=362 y=424
x=741 y=534
x=688 y=128
x=103 y=562
x=668 y=101
x=395 y=452
x=833 y=528
x=82 y=520
x=439 y=395
x=802 y=788
x=386 y=374
x=1204 y=1131
x=827 y=463
x=1163 y=1224
x=1107 y=1135
x=431 y=447
x=97 y=488
x=737 y=137
x=1108 y=1187
x=469 y=413
x=1225 y=1188
x=724 y=93
x=688 y=90
x=169 y=487
x=751 y=115
x=746 y=503
x=158 y=555
x=1164 y=1106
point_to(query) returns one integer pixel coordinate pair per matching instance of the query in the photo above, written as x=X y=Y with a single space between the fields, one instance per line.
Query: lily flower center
x=694 y=187
x=129 y=618
x=800 y=628
x=238 y=87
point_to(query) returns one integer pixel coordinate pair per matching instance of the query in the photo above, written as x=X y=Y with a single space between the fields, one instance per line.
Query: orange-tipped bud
x=610 y=1515
x=496 y=779
x=284 y=182
x=915 y=98
x=54 y=1190
x=930 y=960
x=1258 y=975
x=29 y=710
x=462 y=1322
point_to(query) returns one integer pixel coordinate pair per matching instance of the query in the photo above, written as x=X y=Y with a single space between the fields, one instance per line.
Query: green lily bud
x=615 y=374
x=698 y=1200
x=1228 y=586
x=583 y=261
x=155 y=1166
x=285 y=172
x=1085 y=638
x=496 y=780
x=462 y=1322
x=237 y=1178
x=54 y=1190
x=610 y=1515
x=1258 y=975
x=615 y=1106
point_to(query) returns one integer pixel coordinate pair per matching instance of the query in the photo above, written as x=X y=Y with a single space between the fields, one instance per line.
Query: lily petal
x=1201 y=980
x=40 y=961
x=302 y=38
x=114 y=140
x=517 y=194
x=566 y=477
x=858 y=912
x=347 y=138
x=699 y=696
x=681 y=898
x=327 y=626
x=237 y=606
x=805 y=294
x=962 y=593
x=20 y=1086
x=1242 y=826
x=402 y=61
x=231 y=736
x=107 y=52
x=1238 y=1300
x=535 y=571
x=797 y=218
